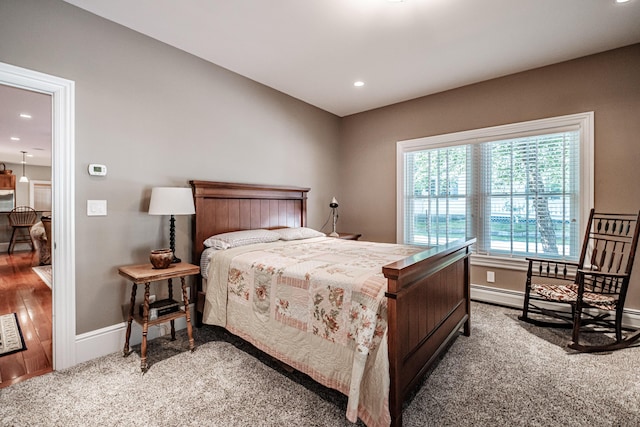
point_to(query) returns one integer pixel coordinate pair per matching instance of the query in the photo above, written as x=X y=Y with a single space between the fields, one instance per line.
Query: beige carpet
x=507 y=373
x=44 y=272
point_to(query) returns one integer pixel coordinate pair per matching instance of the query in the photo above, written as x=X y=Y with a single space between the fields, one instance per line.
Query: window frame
x=585 y=122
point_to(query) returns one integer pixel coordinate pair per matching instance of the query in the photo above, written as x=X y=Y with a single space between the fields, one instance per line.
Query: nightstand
x=349 y=236
x=146 y=273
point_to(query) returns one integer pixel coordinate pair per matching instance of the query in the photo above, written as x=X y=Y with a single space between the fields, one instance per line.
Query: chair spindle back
x=609 y=247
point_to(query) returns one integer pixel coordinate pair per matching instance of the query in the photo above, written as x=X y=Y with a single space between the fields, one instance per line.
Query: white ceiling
x=34 y=133
x=314 y=50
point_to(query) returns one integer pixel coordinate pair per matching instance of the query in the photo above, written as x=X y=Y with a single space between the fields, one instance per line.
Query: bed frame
x=428 y=293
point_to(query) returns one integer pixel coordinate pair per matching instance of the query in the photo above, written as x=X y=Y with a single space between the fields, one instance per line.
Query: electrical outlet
x=491 y=276
x=154 y=331
x=164 y=329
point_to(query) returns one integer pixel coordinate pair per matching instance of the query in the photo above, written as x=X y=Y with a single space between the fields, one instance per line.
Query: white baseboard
x=505 y=297
x=101 y=342
x=18 y=247
x=515 y=299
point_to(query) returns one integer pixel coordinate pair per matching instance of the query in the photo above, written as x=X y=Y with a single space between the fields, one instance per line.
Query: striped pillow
x=234 y=239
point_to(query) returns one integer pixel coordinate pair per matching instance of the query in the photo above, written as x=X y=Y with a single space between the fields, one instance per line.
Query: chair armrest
x=554 y=261
x=552 y=268
x=602 y=274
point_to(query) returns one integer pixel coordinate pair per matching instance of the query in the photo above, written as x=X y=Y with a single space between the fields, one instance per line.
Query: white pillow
x=234 y=239
x=298 y=233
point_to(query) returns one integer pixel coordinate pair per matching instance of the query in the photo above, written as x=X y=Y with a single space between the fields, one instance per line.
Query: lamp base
x=172 y=239
x=334 y=234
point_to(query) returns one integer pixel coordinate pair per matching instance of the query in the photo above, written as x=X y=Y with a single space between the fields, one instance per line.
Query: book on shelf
x=160 y=308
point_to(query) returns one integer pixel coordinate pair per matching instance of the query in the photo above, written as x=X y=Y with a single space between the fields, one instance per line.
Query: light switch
x=96 y=207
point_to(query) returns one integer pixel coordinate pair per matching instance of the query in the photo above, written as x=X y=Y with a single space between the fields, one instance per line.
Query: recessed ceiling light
x=25 y=115
x=15 y=138
x=358 y=83
x=621 y=1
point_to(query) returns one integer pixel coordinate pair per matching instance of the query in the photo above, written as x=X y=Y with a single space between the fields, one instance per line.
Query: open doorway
x=25 y=255
x=62 y=96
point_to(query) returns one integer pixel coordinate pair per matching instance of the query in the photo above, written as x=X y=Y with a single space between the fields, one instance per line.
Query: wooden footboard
x=428 y=303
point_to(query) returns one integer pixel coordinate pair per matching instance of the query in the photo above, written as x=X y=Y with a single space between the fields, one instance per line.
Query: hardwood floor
x=23 y=292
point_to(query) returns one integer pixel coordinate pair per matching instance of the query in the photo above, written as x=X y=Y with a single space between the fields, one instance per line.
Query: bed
x=426 y=295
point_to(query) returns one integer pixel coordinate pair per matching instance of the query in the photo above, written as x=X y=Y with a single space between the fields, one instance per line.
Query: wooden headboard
x=227 y=206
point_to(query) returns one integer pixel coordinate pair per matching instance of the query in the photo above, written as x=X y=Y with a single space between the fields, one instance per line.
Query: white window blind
x=40 y=195
x=519 y=193
x=438 y=199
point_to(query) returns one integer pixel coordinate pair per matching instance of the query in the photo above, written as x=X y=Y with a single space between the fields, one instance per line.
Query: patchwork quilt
x=316 y=304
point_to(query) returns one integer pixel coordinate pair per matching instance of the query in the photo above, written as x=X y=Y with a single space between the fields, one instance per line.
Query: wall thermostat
x=99 y=170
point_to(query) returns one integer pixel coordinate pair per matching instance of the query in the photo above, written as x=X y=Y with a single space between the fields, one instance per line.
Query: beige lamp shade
x=171 y=201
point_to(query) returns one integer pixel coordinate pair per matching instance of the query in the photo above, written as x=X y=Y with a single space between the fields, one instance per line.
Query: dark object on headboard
x=428 y=293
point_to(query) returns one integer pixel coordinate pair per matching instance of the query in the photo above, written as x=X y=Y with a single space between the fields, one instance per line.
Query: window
x=40 y=196
x=523 y=189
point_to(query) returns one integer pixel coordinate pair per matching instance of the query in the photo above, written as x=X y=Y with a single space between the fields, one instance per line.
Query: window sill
x=518 y=264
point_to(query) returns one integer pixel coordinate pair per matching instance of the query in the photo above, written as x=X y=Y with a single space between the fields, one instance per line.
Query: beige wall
x=607 y=83
x=33 y=172
x=157 y=116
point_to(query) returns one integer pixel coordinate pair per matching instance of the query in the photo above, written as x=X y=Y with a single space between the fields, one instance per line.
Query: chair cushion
x=569 y=294
x=39 y=237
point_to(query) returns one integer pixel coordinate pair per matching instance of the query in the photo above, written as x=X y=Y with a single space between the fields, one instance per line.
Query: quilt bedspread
x=317 y=304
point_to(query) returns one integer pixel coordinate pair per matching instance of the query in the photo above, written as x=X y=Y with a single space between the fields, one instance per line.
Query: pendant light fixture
x=23 y=178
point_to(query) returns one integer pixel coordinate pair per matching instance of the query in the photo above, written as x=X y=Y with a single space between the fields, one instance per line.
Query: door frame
x=62 y=93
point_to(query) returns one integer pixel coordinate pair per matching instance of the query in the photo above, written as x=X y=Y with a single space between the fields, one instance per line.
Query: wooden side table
x=349 y=236
x=146 y=273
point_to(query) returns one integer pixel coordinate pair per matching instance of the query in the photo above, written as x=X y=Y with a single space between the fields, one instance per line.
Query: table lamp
x=334 y=211
x=171 y=201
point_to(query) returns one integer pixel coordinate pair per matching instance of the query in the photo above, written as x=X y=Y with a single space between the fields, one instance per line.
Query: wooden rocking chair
x=595 y=287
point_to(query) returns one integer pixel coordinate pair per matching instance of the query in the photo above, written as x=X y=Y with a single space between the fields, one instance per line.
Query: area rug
x=11 y=339
x=44 y=271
